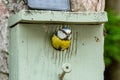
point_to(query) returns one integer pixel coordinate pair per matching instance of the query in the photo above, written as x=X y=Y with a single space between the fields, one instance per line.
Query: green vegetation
x=112 y=39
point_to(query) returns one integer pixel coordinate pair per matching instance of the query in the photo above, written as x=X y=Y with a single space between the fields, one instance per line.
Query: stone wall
x=4 y=73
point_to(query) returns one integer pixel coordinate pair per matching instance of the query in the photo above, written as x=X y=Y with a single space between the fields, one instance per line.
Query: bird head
x=64 y=33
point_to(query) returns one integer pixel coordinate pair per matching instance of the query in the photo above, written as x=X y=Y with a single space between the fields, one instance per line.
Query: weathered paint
x=13 y=51
x=35 y=16
x=33 y=58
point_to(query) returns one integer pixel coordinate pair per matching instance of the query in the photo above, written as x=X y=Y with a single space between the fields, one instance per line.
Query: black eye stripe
x=63 y=31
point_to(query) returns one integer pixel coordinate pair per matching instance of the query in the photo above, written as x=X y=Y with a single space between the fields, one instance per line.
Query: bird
x=61 y=39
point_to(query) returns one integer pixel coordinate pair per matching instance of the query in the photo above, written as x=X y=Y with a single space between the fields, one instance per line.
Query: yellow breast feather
x=60 y=44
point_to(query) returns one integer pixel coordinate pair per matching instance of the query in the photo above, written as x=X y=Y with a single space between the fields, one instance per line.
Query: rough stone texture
x=3 y=76
x=3 y=27
x=15 y=6
x=87 y=5
x=3 y=42
x=3 y=62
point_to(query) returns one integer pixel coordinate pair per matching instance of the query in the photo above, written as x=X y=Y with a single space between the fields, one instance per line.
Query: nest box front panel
x=38 y=60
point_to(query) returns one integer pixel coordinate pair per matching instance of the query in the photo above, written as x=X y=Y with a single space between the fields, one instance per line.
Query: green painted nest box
x=32 y=56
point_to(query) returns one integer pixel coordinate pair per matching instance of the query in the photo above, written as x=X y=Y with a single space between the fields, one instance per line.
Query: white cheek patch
x=61 y=35
x=68 y=31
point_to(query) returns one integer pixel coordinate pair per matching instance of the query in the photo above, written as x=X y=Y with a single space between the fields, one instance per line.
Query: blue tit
x=61 y=39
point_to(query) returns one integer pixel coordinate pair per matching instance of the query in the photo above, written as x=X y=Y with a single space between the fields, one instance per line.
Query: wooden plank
x=35 y=16
x=13 y=54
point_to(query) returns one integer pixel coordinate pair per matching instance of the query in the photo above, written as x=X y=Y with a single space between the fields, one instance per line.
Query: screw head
x=66 y=67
